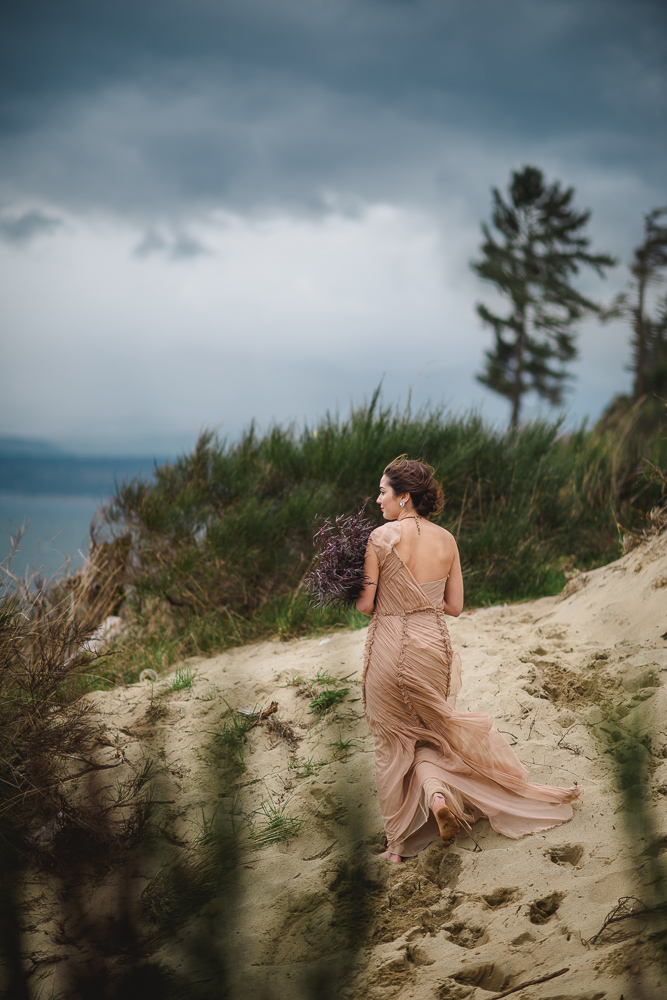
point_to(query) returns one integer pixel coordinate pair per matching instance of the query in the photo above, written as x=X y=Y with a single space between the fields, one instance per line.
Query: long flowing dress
x=423 y=746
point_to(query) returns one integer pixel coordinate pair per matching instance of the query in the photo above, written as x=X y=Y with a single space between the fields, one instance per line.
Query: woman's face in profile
x=388 y=501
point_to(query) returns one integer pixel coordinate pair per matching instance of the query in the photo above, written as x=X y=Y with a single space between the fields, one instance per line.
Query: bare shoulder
x=440 y=537
x=436 y=531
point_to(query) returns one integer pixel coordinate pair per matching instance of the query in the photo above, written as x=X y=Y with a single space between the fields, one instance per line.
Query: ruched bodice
x=423 y=746
x=400 y=592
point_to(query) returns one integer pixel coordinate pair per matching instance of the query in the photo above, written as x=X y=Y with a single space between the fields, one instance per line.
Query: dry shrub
x=656 y=523
x=98 y=588
x=48 y=733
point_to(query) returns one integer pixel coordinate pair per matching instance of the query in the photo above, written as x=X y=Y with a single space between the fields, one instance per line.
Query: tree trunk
x=516 y=390
x=640 y=338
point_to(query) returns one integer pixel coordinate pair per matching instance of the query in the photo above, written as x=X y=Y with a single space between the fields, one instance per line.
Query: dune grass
x=326 y=699
x=221 y=539
x=182 y=680
x=274 y=825
x=219 y=542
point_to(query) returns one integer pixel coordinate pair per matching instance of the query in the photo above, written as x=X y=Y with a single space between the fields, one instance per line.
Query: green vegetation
x=327 y=699
x=343 y=748
x=276 y=827
x=308 y=767
x=221 y=540
x=646 y=312
x=324 y=677
x=649 y=333
x=233 y=736
x=182 y=679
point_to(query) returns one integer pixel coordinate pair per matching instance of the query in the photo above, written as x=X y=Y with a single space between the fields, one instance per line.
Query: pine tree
x=655 y=372
x=649 y=334
x=538 y=247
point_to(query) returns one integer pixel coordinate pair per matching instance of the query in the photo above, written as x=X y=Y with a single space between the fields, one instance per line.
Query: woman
x=437 y=769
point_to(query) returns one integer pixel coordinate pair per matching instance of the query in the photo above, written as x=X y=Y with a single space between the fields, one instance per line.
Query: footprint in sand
x=486 y=975
x=501 y=897
x=566 y=855
x=542 y=910
x=464 y=935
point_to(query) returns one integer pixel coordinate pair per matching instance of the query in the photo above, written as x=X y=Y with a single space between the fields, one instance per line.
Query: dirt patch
x=561 y=686
x=283 y=729
x=412 y=902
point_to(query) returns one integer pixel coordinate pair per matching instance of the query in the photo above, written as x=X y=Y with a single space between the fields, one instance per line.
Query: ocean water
x=56 y=496
x=58 y=529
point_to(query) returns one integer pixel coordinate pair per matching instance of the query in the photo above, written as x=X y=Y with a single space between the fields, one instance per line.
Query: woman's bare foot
x=445 y=819
x=395 y=858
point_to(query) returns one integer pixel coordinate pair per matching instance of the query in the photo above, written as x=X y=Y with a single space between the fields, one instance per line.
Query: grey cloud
x=164 y=109
x=176 y=247
x=151 y=243
x=24 y=228
x=187 y=247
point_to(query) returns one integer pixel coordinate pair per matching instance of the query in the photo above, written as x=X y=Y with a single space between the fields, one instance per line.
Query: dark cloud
x=27 y=226
x=180 y=246
x=167 y=108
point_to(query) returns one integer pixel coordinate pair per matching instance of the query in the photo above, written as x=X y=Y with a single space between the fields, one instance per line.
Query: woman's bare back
x=428 y=550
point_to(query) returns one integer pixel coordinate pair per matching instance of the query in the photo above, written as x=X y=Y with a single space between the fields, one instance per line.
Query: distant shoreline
x=69 y=475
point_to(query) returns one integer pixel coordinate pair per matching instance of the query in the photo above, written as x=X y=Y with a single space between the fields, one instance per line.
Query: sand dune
x=563 y=677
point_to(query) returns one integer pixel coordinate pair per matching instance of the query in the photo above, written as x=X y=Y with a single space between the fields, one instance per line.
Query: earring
x=402 y=503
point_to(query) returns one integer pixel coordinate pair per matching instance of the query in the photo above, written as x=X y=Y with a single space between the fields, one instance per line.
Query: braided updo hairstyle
x=406 y=475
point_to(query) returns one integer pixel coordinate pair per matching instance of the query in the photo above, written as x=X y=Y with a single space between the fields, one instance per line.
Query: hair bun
x=407 y=475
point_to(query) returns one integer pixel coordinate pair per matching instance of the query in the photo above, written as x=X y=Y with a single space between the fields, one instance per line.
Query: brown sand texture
x=471 y=921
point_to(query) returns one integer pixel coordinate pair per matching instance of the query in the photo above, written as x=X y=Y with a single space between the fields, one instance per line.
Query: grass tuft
x=233 y=736
x=343 y=748
x=276 y=827
x=182 y=680
x=327 y=699
x=309 y=767
x=324 y=677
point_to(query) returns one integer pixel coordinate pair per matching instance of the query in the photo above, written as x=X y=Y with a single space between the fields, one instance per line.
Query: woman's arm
x=452 y=603
x=366 y=601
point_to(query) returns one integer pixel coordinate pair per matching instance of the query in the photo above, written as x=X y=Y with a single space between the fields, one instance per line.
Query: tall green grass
x=222 y=537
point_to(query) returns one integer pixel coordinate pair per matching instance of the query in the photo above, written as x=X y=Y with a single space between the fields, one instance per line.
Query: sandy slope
x=452 y=923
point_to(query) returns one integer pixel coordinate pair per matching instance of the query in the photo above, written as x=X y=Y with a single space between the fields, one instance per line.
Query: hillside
x=577 y=682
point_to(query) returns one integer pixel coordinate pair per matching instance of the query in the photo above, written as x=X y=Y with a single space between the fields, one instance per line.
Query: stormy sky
x=219 y=210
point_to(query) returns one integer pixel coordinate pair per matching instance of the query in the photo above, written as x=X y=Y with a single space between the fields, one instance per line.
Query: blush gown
x=422 y=744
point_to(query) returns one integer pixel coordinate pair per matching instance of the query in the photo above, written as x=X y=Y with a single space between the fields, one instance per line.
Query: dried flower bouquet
x=338 y=577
